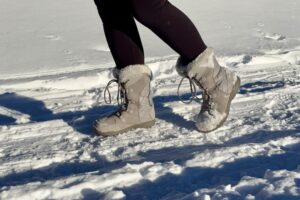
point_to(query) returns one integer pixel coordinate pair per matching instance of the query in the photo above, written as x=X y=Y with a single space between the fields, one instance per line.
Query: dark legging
x=160 y=16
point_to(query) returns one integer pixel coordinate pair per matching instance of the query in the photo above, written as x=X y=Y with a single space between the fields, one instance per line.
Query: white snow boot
x=136 y=107
x=219 y=87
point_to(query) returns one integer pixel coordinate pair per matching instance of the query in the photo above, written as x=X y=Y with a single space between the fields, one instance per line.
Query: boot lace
x=122 y=99
x=193 y=89
x=207 y=99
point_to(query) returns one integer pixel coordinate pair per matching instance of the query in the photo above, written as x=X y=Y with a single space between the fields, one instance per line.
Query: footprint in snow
x=102 y=48
x=274 y=36
x=52 y=37
x=242 y=59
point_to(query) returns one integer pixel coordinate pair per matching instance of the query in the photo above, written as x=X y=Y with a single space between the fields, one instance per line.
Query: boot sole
x=112 y=133
x=235 y=90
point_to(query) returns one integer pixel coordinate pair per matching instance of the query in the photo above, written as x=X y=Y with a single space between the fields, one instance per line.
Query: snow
x=52 y=78
x=46 y=36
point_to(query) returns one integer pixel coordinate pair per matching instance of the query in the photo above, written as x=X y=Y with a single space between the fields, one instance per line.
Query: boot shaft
x=135 y=81
x=206 y=70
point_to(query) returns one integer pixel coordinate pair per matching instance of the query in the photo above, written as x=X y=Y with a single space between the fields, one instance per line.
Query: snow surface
x=48 y=149
x=45 y=36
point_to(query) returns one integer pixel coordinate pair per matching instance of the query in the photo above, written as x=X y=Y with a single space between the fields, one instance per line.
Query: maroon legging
x=160 y=16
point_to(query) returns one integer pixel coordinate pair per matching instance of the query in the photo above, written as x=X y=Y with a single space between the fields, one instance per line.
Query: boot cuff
x=205 y=59
x=131 y=71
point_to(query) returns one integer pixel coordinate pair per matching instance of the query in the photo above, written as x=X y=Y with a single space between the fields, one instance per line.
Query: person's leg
x=171 y=25
x=121 y=32
x=131 y=74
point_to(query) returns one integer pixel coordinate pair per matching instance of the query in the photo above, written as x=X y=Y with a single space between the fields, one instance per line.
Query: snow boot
x=219 y=87
x=136 y=107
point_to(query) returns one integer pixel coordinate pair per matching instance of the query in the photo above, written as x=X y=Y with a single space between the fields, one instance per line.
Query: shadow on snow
x=261 y=86
x=4 y=120
x=188 y=181
x=82 y=121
